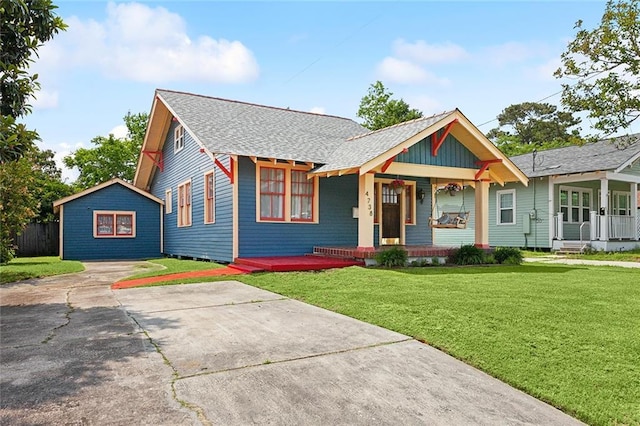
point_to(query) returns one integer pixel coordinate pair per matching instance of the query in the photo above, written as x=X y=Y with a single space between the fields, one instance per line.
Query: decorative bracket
x=436 y=142
x=387 y=163
x=484 y=166
x=228 y=172
x=156 y=157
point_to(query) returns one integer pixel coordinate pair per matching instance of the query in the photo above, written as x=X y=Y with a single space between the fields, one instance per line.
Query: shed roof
x=58 y=203
x=606 y=154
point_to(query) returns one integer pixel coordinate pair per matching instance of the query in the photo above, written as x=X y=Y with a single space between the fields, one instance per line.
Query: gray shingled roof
x=361 y=149
x=232 y=127
x=601 y=155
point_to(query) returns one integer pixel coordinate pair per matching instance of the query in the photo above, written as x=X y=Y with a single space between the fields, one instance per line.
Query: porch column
x=482 y=214
x=634 y=208
x=365 y=212
x=604 y=207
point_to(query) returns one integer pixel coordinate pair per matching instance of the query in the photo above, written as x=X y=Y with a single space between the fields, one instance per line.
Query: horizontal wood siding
x=451 y=154
x=420 y=233
x=336 y=225
x=79 y=243
x=536 y=195
x=460 y=201
x=200 y=240
x=633 y=169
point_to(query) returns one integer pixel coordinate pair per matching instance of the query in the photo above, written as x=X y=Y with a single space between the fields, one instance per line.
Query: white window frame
x=499 y=209
x=615 y=208
x=287 y=193
x=168 y=201
x=178 y=138
x=206 y=199
x=568 y=218
x=185 y=219
x=115 y=214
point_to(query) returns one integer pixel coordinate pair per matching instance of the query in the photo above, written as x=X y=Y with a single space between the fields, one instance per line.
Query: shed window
x=178 y=138
x=506 y=202
x=114 y=224
x=184 y=204
x=209 y=197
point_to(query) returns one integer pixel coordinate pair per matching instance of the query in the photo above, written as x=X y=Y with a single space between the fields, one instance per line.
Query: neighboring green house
x=578 y=196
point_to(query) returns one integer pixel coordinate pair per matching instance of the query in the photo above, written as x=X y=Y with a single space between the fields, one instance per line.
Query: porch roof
x=606 y=154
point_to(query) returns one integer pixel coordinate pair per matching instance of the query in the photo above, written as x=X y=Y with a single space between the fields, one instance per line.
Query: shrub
x=468 y=255
x=393 y=257
x=508 y=255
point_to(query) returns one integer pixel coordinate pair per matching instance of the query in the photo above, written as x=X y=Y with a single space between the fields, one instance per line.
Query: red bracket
x=484 y=166
x=228 y=172
x=436 y=142
x=387 y=163
x=156 y=157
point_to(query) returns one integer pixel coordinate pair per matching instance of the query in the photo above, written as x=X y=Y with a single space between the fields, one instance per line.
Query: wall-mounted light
x=420 y=195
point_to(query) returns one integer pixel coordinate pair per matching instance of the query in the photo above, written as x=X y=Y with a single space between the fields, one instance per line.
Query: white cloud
x=64 y=149
x=401 y=71
x=511 y=52
x=423 y=52
x=148 y=44
x=427 y=105
x=318 y=110
x=119 y=131
x=544 y=72
x=44 y=99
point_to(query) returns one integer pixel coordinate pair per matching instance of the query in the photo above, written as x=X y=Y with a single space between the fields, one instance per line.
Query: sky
x=321 y=57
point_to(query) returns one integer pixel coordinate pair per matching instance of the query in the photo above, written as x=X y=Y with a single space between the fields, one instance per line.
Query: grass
x=23 y=268
x=566 y=335
x=621 y=256
x=168 y=266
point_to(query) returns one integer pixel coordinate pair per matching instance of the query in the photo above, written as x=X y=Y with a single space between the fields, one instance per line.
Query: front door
x=390 y=216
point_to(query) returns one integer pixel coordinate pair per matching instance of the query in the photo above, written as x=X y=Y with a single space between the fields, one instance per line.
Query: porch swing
x=449 y=219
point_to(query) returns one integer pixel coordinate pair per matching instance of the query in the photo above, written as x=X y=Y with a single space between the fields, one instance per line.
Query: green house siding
x=634 y=169
x=460 y=201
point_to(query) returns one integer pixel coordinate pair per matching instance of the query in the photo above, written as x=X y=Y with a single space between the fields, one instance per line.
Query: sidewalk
x=562 y=260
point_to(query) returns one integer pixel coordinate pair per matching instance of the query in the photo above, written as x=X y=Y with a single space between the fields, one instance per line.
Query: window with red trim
x=184 y=204
x=272 y=193
x=301 y=196
x=114 y=224
x=209 y=200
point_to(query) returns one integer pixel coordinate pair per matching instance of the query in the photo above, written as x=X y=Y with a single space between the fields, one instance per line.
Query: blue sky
x=312 y=56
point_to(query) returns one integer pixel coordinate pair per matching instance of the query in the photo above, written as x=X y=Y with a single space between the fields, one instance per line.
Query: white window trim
x=114 y=213
x=616 y=194
x=580 y=190
x=182 y=184
x=499 y=210
x=168 y=201
x=178 y=138
x=287 y=193
x=204 y=181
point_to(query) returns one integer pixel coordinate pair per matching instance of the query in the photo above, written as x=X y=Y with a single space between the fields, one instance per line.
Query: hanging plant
x=452 y=188
x=397 y=185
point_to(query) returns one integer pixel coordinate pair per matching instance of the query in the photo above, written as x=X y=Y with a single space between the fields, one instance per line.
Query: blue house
x=111 y=221
x=241 y=180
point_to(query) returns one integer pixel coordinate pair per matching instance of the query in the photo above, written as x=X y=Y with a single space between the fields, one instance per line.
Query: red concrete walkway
x=170 y=277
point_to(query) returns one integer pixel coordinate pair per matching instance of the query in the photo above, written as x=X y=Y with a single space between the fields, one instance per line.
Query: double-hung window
x=184 y=204
x=621 y=203
x=168 y=206
x=178 y=138
x=506 y=203
x=285 y=194
x=114 y=224
x=575 y=204
x=209 y=197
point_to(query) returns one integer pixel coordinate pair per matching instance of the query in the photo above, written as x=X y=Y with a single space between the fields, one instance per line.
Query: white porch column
x=482 y=214
x=365 y=212
x=604 y=207
x=634 y=207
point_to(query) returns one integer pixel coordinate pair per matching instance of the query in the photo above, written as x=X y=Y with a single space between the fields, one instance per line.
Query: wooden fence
x=38 y=239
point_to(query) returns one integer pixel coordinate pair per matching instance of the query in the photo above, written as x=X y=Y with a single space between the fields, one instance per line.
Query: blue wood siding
x=78 y=240
x=200 y=240
x=420 y=233
x=451 y=154
x=336 y=225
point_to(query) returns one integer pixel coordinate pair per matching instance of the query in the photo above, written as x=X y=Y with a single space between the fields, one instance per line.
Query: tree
x=530 y=125
x=378 y=110
x=606 y=63
x=111 y=157
x=48 y=185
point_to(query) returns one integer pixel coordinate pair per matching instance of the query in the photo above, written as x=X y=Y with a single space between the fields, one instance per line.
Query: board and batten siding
x=78 y=232
x=212 y=241
x=336 y=225
x=451 y=154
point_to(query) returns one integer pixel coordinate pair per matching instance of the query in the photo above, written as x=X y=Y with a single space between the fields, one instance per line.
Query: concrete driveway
x=76 y=352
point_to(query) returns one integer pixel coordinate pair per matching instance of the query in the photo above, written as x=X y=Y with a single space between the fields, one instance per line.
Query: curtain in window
x=271 y=193
x=105 y=224
x=301 y=196
x=124 y=224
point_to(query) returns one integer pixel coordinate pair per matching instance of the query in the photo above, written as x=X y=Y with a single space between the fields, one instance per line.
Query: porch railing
x=622 y=227
x=618 y=227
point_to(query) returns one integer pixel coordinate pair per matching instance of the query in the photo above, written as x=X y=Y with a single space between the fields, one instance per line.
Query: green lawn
x=567 y=335
x=622 y=256
x=168 y=266
x=23 y=268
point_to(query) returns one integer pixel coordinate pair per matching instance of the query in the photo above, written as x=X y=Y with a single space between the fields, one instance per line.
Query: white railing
x=618 y=227
x=558 y=233
x=622 y=227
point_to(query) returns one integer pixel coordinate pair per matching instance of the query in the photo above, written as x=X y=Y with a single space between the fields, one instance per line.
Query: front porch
x=357 y=253
x=600 y=232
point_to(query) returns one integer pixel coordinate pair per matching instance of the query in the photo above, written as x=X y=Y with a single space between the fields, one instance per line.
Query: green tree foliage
x=379 y=110
x=605 y=62
x=530 y=125
x=48 y=185
x=110 y=157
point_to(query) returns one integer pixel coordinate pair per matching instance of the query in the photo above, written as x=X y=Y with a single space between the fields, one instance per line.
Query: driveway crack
x=67 y=316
